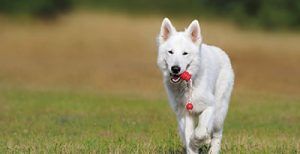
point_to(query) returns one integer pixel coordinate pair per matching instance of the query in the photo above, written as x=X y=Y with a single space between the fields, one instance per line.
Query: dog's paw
x=213 y=151
x=192 y=149
x=194 y=145
x=207 y=141
x=200 y=137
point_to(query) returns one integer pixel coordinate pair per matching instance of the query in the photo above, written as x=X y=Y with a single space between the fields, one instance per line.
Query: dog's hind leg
x=223 y=92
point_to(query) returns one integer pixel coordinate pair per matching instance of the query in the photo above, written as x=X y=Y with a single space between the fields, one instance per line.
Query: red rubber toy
x=185 y=76
x=189 y=106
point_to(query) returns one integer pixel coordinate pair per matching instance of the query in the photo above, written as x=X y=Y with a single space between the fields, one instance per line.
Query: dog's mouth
x=174 y=78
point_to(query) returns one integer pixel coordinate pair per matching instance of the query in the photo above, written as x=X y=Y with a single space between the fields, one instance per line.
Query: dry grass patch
x=118 y=52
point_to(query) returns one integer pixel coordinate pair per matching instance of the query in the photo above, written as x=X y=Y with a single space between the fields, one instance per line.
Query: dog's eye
x=170 y=52
x=185 y=53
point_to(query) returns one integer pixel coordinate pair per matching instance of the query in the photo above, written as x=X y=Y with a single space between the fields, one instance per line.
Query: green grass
x=80 y=122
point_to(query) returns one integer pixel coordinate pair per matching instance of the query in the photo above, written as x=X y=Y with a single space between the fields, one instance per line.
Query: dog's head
x=178 y=51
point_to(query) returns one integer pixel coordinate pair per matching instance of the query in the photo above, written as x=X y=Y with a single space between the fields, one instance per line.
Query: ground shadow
x=202 y=150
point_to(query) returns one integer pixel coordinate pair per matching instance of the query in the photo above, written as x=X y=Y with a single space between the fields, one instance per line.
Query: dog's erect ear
x=194 y=32
x=166 y=30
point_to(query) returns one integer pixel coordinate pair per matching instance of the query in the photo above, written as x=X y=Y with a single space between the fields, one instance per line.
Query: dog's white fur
x=212 y=77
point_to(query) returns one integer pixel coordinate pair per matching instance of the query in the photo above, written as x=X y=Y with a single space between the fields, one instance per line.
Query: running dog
x=212 y=77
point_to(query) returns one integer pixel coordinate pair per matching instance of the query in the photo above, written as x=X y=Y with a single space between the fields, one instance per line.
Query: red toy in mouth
x=186 y=76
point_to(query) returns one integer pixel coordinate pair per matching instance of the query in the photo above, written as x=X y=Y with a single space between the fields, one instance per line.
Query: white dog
x=212 y=78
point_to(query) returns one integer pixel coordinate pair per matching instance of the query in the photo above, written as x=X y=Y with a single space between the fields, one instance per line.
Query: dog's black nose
x=175 y=69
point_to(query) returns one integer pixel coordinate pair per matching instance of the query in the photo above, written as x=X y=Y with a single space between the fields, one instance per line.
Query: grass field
x=88 y=83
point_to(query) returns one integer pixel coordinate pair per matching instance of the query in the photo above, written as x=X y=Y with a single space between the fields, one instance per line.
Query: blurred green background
x=269 y=14
x=80 y=76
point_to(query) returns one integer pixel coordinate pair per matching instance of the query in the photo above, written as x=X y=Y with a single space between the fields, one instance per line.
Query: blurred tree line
x=39 y=8
x=266 y=13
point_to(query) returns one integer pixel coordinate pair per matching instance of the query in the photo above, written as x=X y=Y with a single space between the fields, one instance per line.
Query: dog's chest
x=180 y=92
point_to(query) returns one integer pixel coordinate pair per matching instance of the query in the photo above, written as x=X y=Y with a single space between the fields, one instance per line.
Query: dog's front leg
x=204 y=128
x=188 y=131
x=181 y=128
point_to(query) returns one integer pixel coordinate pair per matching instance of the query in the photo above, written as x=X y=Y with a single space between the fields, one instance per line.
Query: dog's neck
x=179 y=90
